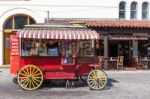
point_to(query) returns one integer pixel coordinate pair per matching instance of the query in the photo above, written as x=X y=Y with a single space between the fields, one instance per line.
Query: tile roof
x=105 y=23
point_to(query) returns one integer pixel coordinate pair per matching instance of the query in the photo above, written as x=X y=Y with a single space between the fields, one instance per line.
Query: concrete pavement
x=121 y=85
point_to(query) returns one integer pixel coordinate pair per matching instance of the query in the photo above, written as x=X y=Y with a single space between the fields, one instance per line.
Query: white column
x=106 y=46
x=106 y=52
x=135 y=48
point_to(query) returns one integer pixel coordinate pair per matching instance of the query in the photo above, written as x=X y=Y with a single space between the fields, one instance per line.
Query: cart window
x=39 y=47
x=68 y=49
x=85 y=48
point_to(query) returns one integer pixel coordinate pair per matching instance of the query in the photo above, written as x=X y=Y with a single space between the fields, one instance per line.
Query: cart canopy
x=58 y=33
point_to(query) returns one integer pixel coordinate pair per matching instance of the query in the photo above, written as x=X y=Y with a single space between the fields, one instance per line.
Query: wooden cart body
x=51 y=66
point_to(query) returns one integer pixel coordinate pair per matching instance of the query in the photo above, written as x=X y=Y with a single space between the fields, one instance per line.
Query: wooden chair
x=112 y=62
x=120 y=62
x=101 y=61
x=137 y=63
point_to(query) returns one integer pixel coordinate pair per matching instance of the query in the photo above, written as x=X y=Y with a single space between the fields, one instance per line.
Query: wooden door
x=6 y=48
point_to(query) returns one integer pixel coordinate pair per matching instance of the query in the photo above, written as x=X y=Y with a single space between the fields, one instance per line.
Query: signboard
x=14 y=46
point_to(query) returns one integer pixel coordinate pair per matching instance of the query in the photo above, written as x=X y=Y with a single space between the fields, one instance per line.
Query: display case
x=39 y=48
x=68 y=51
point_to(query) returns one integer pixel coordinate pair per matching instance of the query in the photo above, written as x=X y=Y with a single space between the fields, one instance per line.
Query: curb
x=4 y=67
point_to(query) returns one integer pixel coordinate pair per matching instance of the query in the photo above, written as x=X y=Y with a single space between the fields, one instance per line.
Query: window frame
x=145 y=11
x=134 y=10
x=123 y=11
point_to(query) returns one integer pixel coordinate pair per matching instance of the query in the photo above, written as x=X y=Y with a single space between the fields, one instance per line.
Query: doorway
x=121 y=48
x=12 y=23
x=6 y=48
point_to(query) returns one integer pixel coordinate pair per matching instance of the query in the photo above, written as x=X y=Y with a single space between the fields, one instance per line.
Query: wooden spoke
x=22 y=77
x=21 y=81
x=30 y=77
x=22 y=74
x=97 y=79
x=37 y=75
x=34 y=82
x=30 y=69
x=35 y=71
x=25 y=72
x=37 y=80
x=25 y=83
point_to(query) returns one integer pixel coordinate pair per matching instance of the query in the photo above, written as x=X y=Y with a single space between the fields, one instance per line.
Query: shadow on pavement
x=62 y=83
x=110 y=83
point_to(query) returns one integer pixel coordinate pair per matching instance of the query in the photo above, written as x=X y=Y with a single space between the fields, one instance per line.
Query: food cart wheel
x=97 y=79
x=30 y=77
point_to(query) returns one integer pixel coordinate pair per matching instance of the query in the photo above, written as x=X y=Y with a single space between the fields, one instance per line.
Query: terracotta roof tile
x=106 y=23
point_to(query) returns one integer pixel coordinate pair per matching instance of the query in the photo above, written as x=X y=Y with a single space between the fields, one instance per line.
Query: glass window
x=85 y=48
x=9 y=24
x=122 y=9
x=32 y=21
x=145 y=10
x=20 y=21
x=133 y=14
x=35 y=47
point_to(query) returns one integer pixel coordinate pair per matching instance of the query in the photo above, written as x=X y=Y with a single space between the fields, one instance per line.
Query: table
x=145 y=62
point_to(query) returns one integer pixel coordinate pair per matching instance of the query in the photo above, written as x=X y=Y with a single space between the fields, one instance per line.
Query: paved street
x=121 y=85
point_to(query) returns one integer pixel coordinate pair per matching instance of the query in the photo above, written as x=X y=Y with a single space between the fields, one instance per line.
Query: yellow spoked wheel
x=97 y=79
x=30 y=77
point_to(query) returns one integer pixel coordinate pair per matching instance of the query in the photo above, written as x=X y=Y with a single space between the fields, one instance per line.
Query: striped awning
x=58 y=33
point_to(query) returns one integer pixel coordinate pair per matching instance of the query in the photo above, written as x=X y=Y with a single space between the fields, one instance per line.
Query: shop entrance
x=121 y=48
x=6 y=48
x=13 y=23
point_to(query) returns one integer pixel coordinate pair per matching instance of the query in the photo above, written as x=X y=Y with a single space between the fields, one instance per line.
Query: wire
x=94 y=6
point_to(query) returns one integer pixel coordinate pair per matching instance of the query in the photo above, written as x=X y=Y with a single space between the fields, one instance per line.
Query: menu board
x=14 y=46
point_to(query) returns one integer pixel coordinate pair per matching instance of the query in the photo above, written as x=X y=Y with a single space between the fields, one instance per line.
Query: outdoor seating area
x=142 y=62
x=117 y=63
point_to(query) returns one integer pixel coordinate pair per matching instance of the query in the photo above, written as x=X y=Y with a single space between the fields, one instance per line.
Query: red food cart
x=65 y=52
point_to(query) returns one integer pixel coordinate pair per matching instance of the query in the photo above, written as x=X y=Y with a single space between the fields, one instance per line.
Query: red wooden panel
x=51 y=75
x=67 y=74
x=83 y=69
x=42 y=62
x=14 y=55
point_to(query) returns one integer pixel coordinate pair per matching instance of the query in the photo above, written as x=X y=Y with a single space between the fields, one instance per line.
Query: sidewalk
x=4 y=66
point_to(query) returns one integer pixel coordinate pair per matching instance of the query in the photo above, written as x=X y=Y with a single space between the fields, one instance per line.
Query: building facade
x=14 y=14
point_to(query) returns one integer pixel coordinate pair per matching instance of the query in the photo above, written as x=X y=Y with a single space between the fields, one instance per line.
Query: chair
x=112 y=62
x=120 y=62
x=101 y=61
x=137 y=63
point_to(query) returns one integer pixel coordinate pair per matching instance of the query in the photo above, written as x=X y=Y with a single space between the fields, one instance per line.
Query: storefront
x=119 y=38
x=129 y=39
